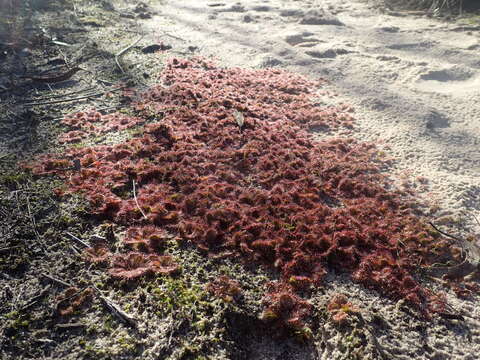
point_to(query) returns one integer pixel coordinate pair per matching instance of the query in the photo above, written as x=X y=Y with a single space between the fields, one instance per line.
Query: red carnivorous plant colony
x=264 y=189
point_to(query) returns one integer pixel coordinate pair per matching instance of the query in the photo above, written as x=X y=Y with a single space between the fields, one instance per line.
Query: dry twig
x=123 y=51
x=69 y=99
x=36 y=298
x=136 y=200
x=55 y=280
x=34 y=223
x=59 y=95
x=116 y=310
x=444 y=233
x=78 y=240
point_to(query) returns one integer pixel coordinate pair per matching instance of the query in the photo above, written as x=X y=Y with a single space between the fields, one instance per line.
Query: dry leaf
x=239 y=118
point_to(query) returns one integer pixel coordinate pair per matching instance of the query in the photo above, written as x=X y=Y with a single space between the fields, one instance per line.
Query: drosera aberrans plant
x=340 y=309
x=225 y=288
x=285 y=310
x=268 y=191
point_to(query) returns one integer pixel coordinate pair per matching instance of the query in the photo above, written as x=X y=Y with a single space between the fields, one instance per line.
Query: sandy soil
x=414 y=83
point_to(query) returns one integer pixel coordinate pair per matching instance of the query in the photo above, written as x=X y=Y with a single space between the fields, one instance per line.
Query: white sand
x=415 y=84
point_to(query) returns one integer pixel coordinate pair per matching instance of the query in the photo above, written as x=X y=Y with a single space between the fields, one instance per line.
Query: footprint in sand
x=221 y=7
x=261 y=8
x=436 y=120
x=303 y=39
x=268 y=61
x=320 y=17
x=327 y=52
x=322 y=54
x=388 y=58
x=291 y=13
x=388 y=29
x=452 y=74
x=319 y=49
x=421 y=46
x=453 y=81
x=216 y=4
x=247 y=18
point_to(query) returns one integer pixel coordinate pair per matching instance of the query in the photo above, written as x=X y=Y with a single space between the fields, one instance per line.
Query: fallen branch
x=55 y=280
x=458 y=271
x=69 y=99
x=100 y=109
x=60 y=95
x=34 y=223
x=78 y=240
x=75 y=250
x=173 y=36
x=136 y=201
x=109 y=304
x=476 y=219
x=444 y=233
x=123 y=51
x=116 y=310
x=36 y=298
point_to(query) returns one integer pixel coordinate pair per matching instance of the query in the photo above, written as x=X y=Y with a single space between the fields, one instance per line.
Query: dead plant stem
x=123 y=51
x=136 y=200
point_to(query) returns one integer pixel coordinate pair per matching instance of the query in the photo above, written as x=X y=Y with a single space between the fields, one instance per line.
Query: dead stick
x=136 y=201
x=67 y=100
x=35 y=299
x=61 y=95
x=32 y=219
x=80 y=241
x=58 y=281
x=123 y=51
x=100 y=109
x=69 y=325
x=75 y=250
x=116 y=310
x=444 y=233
